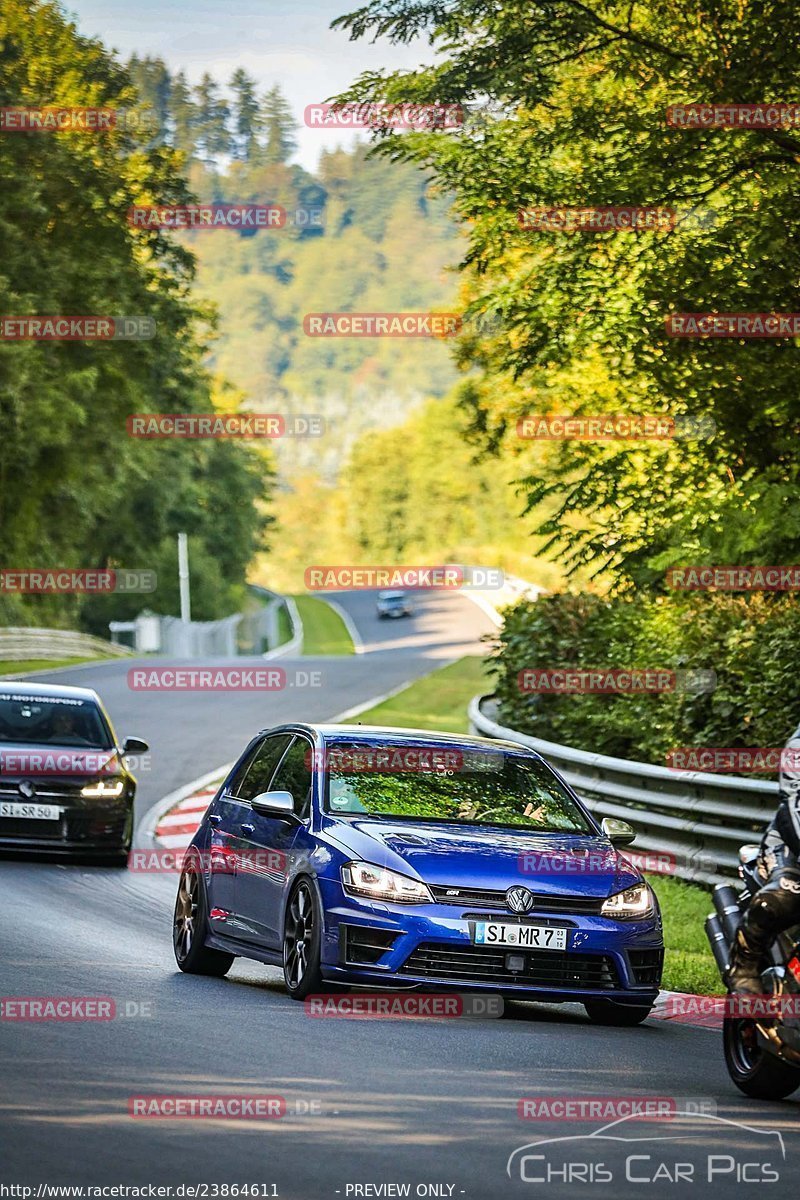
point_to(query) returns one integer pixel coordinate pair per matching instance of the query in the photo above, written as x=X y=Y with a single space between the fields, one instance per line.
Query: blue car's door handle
x=248 y=829
x=215 y=818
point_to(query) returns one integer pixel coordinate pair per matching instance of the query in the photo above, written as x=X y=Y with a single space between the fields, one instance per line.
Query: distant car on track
x=64 y=783
x=404 y=859
x=394 y=604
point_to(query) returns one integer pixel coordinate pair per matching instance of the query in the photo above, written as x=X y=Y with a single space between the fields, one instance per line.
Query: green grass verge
x=437 y=701
x=284 y=627
x=688 y=963
x=9 y=666
x=324 y=631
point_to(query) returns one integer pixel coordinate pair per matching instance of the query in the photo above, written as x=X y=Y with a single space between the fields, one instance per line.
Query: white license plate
x=524 y=937
x=30 y=812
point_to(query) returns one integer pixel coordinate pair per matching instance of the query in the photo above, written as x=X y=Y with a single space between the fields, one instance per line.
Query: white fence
x=23 y=642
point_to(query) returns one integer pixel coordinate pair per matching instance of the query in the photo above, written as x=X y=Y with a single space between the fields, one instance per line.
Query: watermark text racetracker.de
x=219 y=860
x=222 y=679
x=50 y=580
x=610 y=1108
x=339 y=577
x=613 y=427
x=53 y=119
x=564 y=681
x=740 y=760
x=383 y=115
x=404 y=1006
x=63 y=328
x=733 y=116
x=733 y=325
x=247 y=425
x=73 y=1008
x=236 y=1106
x=594 y=862
x=237 y=218
x=747 y=577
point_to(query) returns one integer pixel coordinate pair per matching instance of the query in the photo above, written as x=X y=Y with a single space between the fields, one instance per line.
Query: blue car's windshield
x=425 y=781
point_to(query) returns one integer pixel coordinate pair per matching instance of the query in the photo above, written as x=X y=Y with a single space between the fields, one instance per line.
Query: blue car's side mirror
x=274 y=804
x=619 y=833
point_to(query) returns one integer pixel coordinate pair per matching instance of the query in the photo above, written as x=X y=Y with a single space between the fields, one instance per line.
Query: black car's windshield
x=425 y=781
x=52 y=721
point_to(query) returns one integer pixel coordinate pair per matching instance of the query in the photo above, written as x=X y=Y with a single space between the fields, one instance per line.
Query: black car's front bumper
x=85 y=825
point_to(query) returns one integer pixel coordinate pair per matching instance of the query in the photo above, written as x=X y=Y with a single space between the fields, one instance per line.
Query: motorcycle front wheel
x=753 y=1069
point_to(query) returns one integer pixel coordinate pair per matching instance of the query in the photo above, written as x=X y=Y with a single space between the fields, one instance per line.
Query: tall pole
x=183 y=577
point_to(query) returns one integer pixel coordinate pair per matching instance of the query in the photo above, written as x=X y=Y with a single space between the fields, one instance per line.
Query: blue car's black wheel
x=190 y=927
x=302 y=942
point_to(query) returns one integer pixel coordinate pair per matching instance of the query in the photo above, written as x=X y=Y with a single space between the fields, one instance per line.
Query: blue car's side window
x=294 y=775
x=258 y=776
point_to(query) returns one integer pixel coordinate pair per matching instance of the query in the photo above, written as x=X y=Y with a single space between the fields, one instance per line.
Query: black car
x=64 y=783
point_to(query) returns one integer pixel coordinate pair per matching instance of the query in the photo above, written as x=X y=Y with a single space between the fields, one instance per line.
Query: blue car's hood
x=458 y=855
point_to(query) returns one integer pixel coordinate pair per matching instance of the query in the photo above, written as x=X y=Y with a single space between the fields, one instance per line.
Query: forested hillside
x=75 y=490
x=362 y=235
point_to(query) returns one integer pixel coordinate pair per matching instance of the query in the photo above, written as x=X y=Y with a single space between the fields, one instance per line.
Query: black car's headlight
x=104 y=789
x=636 y=901
x=377 y=883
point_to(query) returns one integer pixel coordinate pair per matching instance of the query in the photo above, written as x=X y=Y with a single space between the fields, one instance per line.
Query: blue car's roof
x=380 y=733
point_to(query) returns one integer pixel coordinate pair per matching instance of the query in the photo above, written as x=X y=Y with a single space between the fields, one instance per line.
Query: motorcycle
x=761 y=1035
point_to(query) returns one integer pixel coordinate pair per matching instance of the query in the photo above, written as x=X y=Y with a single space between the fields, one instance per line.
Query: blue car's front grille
x=483 y=964
x=542 y=902
x=646 y=965
x=361 y=945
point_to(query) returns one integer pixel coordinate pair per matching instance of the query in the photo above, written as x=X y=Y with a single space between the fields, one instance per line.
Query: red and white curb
x=177 y=827
x=685 y=1008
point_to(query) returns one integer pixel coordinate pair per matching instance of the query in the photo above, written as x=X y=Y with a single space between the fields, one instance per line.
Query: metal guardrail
x=30 y=642
x=699 y=818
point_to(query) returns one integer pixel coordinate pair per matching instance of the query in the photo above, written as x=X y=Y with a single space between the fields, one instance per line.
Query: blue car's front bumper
x=370 y=943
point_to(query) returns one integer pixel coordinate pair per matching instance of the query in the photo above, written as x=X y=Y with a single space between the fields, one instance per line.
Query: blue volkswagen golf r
x=405 y=859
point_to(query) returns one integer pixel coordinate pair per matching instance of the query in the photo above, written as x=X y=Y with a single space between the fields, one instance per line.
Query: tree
x=247 y=122
x=75 y=489
x=153 y=84
x=566 y=104
x=279 y=125
x=213 y=137
x=184 y=116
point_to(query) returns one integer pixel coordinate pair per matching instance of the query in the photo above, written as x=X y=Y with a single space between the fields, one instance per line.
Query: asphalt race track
x=371 y=1105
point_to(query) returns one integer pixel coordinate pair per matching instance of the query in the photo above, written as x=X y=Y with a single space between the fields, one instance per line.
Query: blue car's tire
x=190 y=928
x=606 y=1012
x=302 y=941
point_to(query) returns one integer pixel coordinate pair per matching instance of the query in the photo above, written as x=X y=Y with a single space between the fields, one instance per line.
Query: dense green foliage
x=414 y=493
x=750 y=643
x=75 y=490
x=362 y=236
x=567 y=105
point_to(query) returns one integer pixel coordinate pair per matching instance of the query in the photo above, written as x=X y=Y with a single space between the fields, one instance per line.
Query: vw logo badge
x=519 y=899
x=27 y=789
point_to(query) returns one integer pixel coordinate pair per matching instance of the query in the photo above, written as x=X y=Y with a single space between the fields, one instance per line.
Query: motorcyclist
x=777 y=905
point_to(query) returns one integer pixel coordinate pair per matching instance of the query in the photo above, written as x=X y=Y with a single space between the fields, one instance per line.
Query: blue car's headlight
x=377 y=883
x=634 y=902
